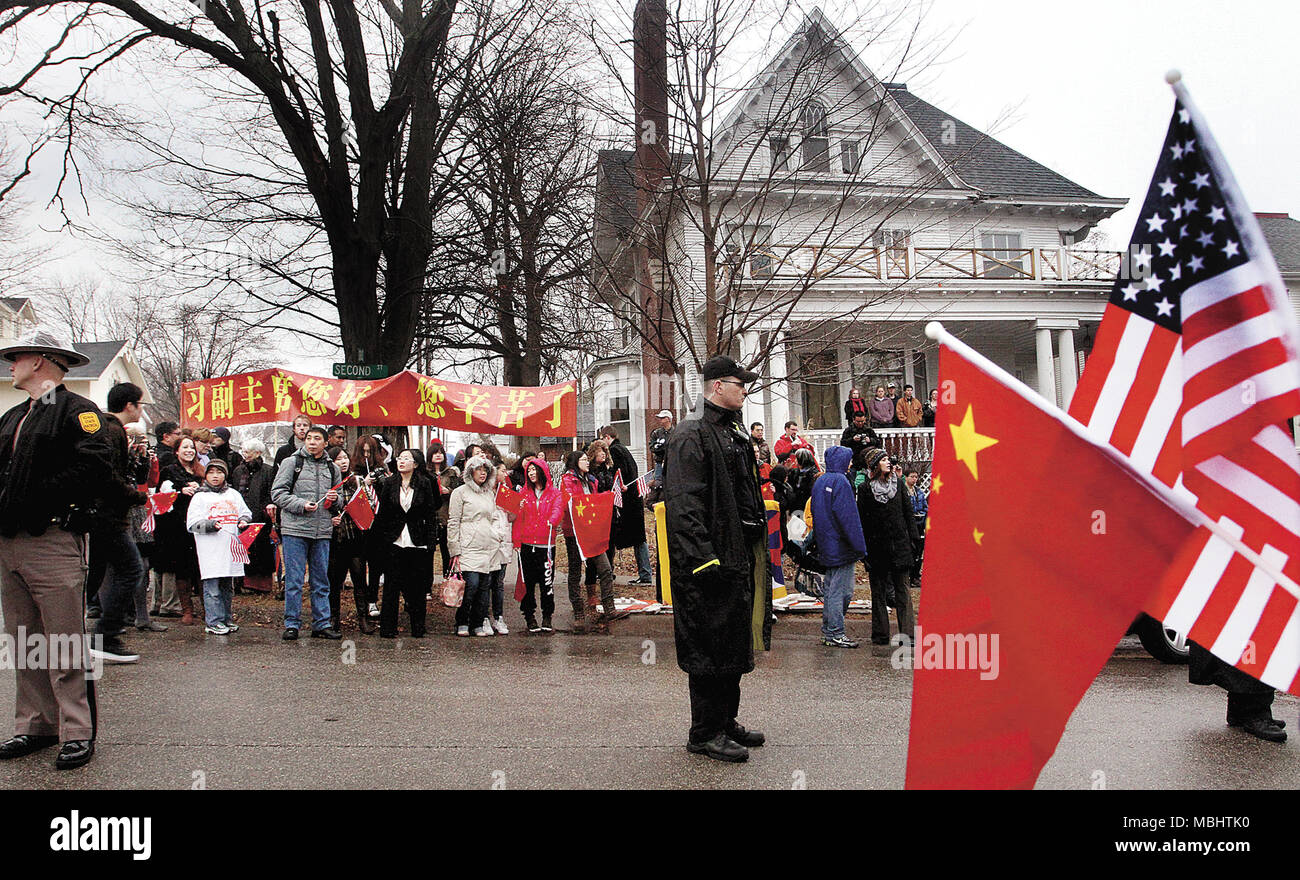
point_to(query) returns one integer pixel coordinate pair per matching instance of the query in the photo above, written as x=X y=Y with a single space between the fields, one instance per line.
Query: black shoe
x=290 y=634
x=170 y=615
x=546 y=624
x=113 y=651
x=75 y=753
x=530 y=621
x=327 y=633
x=384 y=635
x=750 y=739
x=93 y=612
x=151 y=626
x=415 y=634
x=720 y=748
x=1265 y=729
x=1237 y=722
x=25 y=744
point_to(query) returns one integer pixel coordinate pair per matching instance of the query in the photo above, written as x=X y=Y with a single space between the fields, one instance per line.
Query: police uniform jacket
x=60 y=461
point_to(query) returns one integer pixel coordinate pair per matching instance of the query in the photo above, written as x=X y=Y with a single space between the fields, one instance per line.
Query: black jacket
x=889 y=528
x=61 y=461
x=858 y=439
x=710 y=487
x=252 y=479
x=122 y=494
x=288 y=449
x=629 y=522
x=420 y=518
x=173 y=542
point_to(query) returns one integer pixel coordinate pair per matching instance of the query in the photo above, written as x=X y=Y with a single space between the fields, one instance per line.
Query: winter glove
x=209 y=526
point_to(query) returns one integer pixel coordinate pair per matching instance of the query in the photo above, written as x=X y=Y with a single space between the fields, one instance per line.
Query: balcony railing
x=930 y=263
x=914 y=446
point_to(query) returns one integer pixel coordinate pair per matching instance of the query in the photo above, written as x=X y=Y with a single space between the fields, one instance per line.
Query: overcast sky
x=1086 y=85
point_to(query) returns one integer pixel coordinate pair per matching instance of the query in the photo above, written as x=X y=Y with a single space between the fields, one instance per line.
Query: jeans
x=887 y=583
x=499 y=592
x=312 y=554
x=114 y=555
x=142 y=593
x=217 y=593
x=838 y=586
x=643 y=563
x=474 y=605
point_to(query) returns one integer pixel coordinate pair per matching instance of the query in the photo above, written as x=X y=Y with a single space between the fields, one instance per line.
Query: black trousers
x=405 y=573
x=347 y=557
x=1247 y=706
x=715 y=701
x=536 y=580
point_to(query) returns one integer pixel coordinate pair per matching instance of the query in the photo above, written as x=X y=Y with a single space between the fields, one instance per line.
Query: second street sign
x=360 y=371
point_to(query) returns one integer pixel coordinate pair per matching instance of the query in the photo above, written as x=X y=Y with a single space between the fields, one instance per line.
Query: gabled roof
x=101 y=354
x=15 y=303
x=984 y=162
x=1283 y=237
x=973 y=160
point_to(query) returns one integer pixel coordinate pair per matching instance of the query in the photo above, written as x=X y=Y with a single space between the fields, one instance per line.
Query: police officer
x=55 y=464
x=717 y=551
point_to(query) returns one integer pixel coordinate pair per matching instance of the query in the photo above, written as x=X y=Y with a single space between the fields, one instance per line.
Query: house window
x=873 y=366
x=816 y=140
x=820 y=375
x=1003 y=255
x=780 y=149
x=620 y=419
x=893 y=245
x=850 y=158
x=752 y=246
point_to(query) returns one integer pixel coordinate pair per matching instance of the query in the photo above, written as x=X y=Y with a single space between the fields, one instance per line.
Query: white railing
x=928 y=263
x=914 y=446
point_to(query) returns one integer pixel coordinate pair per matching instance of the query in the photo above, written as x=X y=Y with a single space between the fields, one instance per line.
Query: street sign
x=360 y=371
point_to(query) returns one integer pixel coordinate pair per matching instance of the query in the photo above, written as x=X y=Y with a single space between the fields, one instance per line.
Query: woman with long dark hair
x=174 y=552
x=535 y=537
x=404 y=528
x=578 y=481
x=447 y=478
x=347 y=548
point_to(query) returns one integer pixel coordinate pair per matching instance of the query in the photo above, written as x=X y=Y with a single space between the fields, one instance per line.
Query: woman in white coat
x=478 y=535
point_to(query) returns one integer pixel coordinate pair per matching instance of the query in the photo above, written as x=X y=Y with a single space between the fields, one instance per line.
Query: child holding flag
x=217 y=514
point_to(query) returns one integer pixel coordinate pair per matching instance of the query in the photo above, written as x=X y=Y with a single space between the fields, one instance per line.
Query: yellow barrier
x=661 y=542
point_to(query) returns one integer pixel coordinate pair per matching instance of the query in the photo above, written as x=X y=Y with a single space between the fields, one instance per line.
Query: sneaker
x=483 y=630
x=839 y=642
x=500 y=626
x=462 y=630
x=233 y=627
x=373 y=611
x=546 y=624
x=531 y=622
x=641 y=582
x=113 y=651
x=487 y=625
x=217 y=629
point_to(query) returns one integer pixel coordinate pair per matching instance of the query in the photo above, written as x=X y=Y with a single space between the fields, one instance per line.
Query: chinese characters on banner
x=405 y=399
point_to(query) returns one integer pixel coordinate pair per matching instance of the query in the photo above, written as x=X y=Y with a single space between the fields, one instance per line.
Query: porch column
x=781 y=390
x=1046 y=369
x=753 y=409
x=1069 y=365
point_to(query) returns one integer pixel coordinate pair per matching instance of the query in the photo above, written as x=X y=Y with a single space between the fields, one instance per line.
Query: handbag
x=453 y=588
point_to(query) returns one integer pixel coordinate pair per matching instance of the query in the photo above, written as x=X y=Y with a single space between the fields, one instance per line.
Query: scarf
x=883 y=492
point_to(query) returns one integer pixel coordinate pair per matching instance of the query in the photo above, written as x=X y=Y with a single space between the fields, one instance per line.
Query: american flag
x=618 y=488
x=1193 y=376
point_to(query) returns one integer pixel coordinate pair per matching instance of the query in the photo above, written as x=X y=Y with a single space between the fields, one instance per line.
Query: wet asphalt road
x=250 y=711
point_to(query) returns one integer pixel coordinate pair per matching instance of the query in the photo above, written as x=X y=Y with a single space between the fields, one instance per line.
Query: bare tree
x=751 y=220
x=338 y=120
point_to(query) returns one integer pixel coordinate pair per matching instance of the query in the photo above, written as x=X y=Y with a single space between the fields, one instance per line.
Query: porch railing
x=929 y=263
x=914 y=446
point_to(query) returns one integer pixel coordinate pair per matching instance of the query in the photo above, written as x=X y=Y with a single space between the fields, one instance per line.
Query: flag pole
x=1177 y=502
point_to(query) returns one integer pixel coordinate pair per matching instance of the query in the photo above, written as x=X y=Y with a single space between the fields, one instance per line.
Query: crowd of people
x=310 y=532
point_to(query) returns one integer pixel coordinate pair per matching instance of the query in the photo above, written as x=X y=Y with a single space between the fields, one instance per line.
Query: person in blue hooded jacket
x=840 y=542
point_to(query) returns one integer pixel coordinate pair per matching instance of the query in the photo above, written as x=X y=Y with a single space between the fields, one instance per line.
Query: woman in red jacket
x=534 y=535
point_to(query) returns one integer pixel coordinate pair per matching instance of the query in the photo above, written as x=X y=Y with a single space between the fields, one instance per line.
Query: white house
x=963 y=229
x=110 y=362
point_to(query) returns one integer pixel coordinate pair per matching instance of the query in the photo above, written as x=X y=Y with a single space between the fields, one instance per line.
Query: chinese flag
x=360 y=510
x=161 y=502
x=592 y=517
x=249 y=535
x=1041 y=548
x=508 y=499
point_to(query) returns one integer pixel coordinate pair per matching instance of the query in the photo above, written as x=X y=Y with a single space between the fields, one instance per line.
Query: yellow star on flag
x=967 y=442
x=935 y=484
x=979 y=536
x=579 y=508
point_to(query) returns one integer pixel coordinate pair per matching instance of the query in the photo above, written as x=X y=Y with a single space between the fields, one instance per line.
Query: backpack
x=336 y=476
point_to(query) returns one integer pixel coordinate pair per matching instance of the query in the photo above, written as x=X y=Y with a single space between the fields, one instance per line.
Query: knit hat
x=873 y=459
x=218 y=463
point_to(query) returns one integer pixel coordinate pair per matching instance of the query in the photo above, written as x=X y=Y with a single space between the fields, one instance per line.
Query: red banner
x=405 y=399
